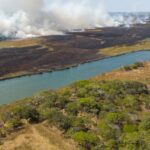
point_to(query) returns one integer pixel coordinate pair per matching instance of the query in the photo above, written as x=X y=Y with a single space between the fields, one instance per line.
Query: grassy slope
x=117 y=50
x=20 y=43
x=141 y=74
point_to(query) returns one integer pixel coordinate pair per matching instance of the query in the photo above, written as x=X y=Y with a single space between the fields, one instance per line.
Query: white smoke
x=129 y=19
x=22 y=18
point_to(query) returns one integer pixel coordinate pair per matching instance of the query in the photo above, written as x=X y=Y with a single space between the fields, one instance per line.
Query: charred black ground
x=58 y=52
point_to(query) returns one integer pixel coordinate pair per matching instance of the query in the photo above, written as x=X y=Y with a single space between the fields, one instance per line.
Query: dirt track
x=38 y=137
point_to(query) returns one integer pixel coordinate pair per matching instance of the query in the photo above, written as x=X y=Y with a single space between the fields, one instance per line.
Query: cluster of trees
x=102 y=115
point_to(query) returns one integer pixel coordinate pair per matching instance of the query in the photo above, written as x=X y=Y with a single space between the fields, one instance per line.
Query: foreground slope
x=97 y=114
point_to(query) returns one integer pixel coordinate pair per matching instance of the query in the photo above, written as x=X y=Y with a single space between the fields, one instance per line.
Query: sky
x=126 y=5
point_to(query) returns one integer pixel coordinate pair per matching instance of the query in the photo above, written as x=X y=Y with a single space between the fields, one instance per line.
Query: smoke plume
x=22 y=18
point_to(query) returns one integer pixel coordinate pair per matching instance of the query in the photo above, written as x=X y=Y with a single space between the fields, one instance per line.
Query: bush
x=79 y=124
x=145 y=124
x=129 y=128
x=73 y=108
x=89 y=105
x=115 y=118
x=55 y=117
x=13 y=124
x=27 y=112
x=86 y=139
x=134 y=141
x=131 y=103
x=133 y=66
x=106 y=131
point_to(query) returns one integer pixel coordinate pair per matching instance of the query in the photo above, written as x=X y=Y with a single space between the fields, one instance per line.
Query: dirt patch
x=38 y=137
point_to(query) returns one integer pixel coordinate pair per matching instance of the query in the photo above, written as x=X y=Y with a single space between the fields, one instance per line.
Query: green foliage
x=13 y=124
x=145 y=124
x=79 y=124
x=73 y=108
x=129 y=128
x=115 y=118
x=85 y=139
x=89 y=105
x=131 y=103
x=135 y=141
x=55 y=117
x=107 y=131
x=106 y=115
x=27 y=112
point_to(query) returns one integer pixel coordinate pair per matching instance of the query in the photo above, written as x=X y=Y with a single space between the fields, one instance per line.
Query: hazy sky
x=126 y=5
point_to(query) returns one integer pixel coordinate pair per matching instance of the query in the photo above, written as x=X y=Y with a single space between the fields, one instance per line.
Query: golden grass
x=20 y=43
x=117 y=50
x=38 y=137
x=141 y=74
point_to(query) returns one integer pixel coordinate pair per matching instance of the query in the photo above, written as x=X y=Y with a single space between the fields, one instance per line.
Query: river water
x=17 y=88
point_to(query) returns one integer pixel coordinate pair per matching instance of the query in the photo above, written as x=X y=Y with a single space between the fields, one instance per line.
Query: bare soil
x=38 y=137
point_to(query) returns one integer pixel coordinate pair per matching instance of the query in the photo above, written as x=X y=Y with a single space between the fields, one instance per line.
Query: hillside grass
x=118 y=50
x=141 y=74
x=20 y=43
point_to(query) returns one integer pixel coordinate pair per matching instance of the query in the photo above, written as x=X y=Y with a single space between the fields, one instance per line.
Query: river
x=17 y=88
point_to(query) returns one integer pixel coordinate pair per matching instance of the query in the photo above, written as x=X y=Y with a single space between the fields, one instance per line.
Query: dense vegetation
x=106 y=115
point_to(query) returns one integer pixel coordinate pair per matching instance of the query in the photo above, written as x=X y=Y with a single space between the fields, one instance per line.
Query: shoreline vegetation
x=110 y=111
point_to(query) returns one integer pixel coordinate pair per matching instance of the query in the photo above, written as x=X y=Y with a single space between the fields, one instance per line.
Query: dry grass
x=20 y=43
x=117 y=50
x=141 y=74
x=39 y=137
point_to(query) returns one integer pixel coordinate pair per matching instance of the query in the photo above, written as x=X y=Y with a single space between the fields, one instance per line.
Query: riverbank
x=142 y=74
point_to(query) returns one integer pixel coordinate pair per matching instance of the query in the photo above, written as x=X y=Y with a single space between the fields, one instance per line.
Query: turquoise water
x=18 y=88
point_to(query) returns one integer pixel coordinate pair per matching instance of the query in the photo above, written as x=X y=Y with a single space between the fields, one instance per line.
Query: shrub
x=13 y=124
x=115 y=118
x=131 y=103
x=79 y=124
x=134 y=141
x=106 y=131
x=73 y=108
x=51 y=100
x=145 y=124
x=27 y=112
x=129 y=128
x=133 y=66
x=86 y=139
x=111 y=145
x=55 y=117
x=89 y=105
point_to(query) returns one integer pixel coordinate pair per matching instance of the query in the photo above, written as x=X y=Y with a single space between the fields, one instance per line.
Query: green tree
x=86 y=139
